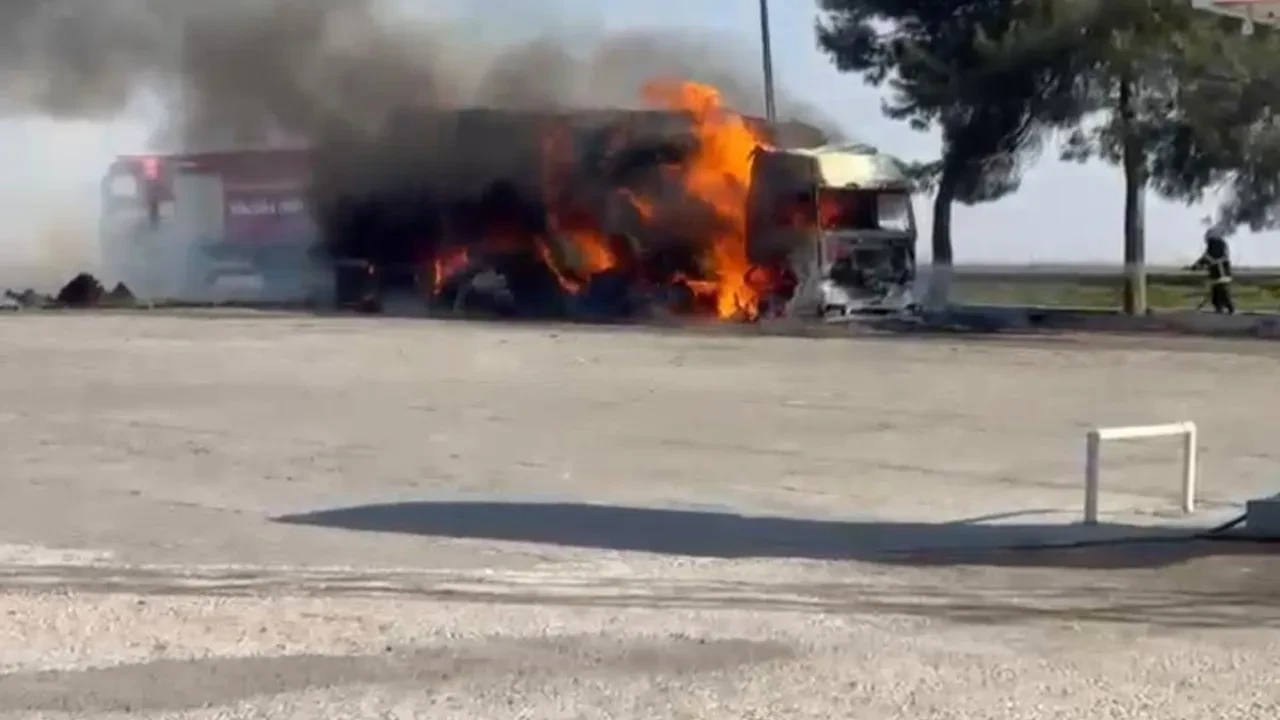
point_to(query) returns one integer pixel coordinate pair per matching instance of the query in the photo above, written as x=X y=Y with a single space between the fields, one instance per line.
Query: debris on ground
x=121 y=294
x=82 y=291
x=25 y=300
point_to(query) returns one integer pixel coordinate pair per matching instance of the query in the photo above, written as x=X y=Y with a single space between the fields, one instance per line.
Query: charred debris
x=84 y=291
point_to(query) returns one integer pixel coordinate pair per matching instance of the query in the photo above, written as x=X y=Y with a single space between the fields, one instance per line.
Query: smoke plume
x=250 y=71
x=344 y=75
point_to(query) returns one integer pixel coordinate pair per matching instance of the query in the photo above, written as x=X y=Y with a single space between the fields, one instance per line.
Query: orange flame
x=577 y=228
x=447 y=263
x=576 y=243
x=718 y=173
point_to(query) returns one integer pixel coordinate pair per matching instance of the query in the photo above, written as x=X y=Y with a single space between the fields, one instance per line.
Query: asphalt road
x=281 y=516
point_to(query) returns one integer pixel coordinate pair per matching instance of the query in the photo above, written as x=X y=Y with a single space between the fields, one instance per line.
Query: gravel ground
x=299 y=517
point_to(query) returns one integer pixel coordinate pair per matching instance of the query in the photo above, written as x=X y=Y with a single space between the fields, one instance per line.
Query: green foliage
x=1180 y=98
x=1165 y=292
x=1233 y=104
x=991 y=75
x=1202 y=105
x=1157 y=47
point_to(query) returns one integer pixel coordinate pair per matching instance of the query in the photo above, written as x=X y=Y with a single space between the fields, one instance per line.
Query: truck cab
x=839 y=218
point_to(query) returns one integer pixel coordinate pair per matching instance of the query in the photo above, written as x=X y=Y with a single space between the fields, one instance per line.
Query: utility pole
x=766 y=50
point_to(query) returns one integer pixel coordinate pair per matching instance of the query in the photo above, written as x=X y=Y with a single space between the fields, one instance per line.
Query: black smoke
x=417 y=124
x=249 y=70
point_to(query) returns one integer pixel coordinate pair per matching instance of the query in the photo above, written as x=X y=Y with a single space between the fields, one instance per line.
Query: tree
x=1190 y=108
x=1228 y=121
x=994 y=76
x=1143 y=56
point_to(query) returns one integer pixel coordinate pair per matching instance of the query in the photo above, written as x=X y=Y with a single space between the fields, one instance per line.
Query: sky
x=1063 y=213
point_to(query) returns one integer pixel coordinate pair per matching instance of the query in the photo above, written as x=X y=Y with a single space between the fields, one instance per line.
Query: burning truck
x=688 y=207
x=170 y=226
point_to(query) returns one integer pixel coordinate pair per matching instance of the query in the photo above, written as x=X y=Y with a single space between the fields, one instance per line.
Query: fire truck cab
x=173 y=225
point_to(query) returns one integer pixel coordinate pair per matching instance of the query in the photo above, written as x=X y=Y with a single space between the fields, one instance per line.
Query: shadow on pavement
x=725 y=535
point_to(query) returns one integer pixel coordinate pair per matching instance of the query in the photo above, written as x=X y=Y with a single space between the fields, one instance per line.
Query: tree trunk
x=1135 y=185
x=938 y=295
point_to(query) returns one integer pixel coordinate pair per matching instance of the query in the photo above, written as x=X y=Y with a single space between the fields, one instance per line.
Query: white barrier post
x=1093 y=451
x=1190 y=467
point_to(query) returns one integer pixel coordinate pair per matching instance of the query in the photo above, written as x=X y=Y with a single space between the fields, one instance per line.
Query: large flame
x=578 y=229
x=707 y=207
x=718 y=174
x=447 y=263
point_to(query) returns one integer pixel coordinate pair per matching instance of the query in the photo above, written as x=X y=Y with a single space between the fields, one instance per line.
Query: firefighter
x=1216 y=262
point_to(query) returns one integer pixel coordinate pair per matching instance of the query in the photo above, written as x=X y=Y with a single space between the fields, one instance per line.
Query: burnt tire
x=607 y=296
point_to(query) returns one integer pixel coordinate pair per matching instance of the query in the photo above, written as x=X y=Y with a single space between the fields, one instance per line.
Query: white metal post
x=1093 y=450
x=1190 y=469
x=1093 y=446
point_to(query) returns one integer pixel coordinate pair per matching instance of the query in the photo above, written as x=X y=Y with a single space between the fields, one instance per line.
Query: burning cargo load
x=604 y=212
x=557 y=203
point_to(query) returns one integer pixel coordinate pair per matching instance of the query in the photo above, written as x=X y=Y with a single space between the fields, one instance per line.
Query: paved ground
x=284 y=517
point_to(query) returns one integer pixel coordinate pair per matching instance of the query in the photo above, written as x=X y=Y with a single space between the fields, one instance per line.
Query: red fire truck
x=173 y=224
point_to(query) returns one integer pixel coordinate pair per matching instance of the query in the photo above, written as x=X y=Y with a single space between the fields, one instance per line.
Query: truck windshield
x=845 y=209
